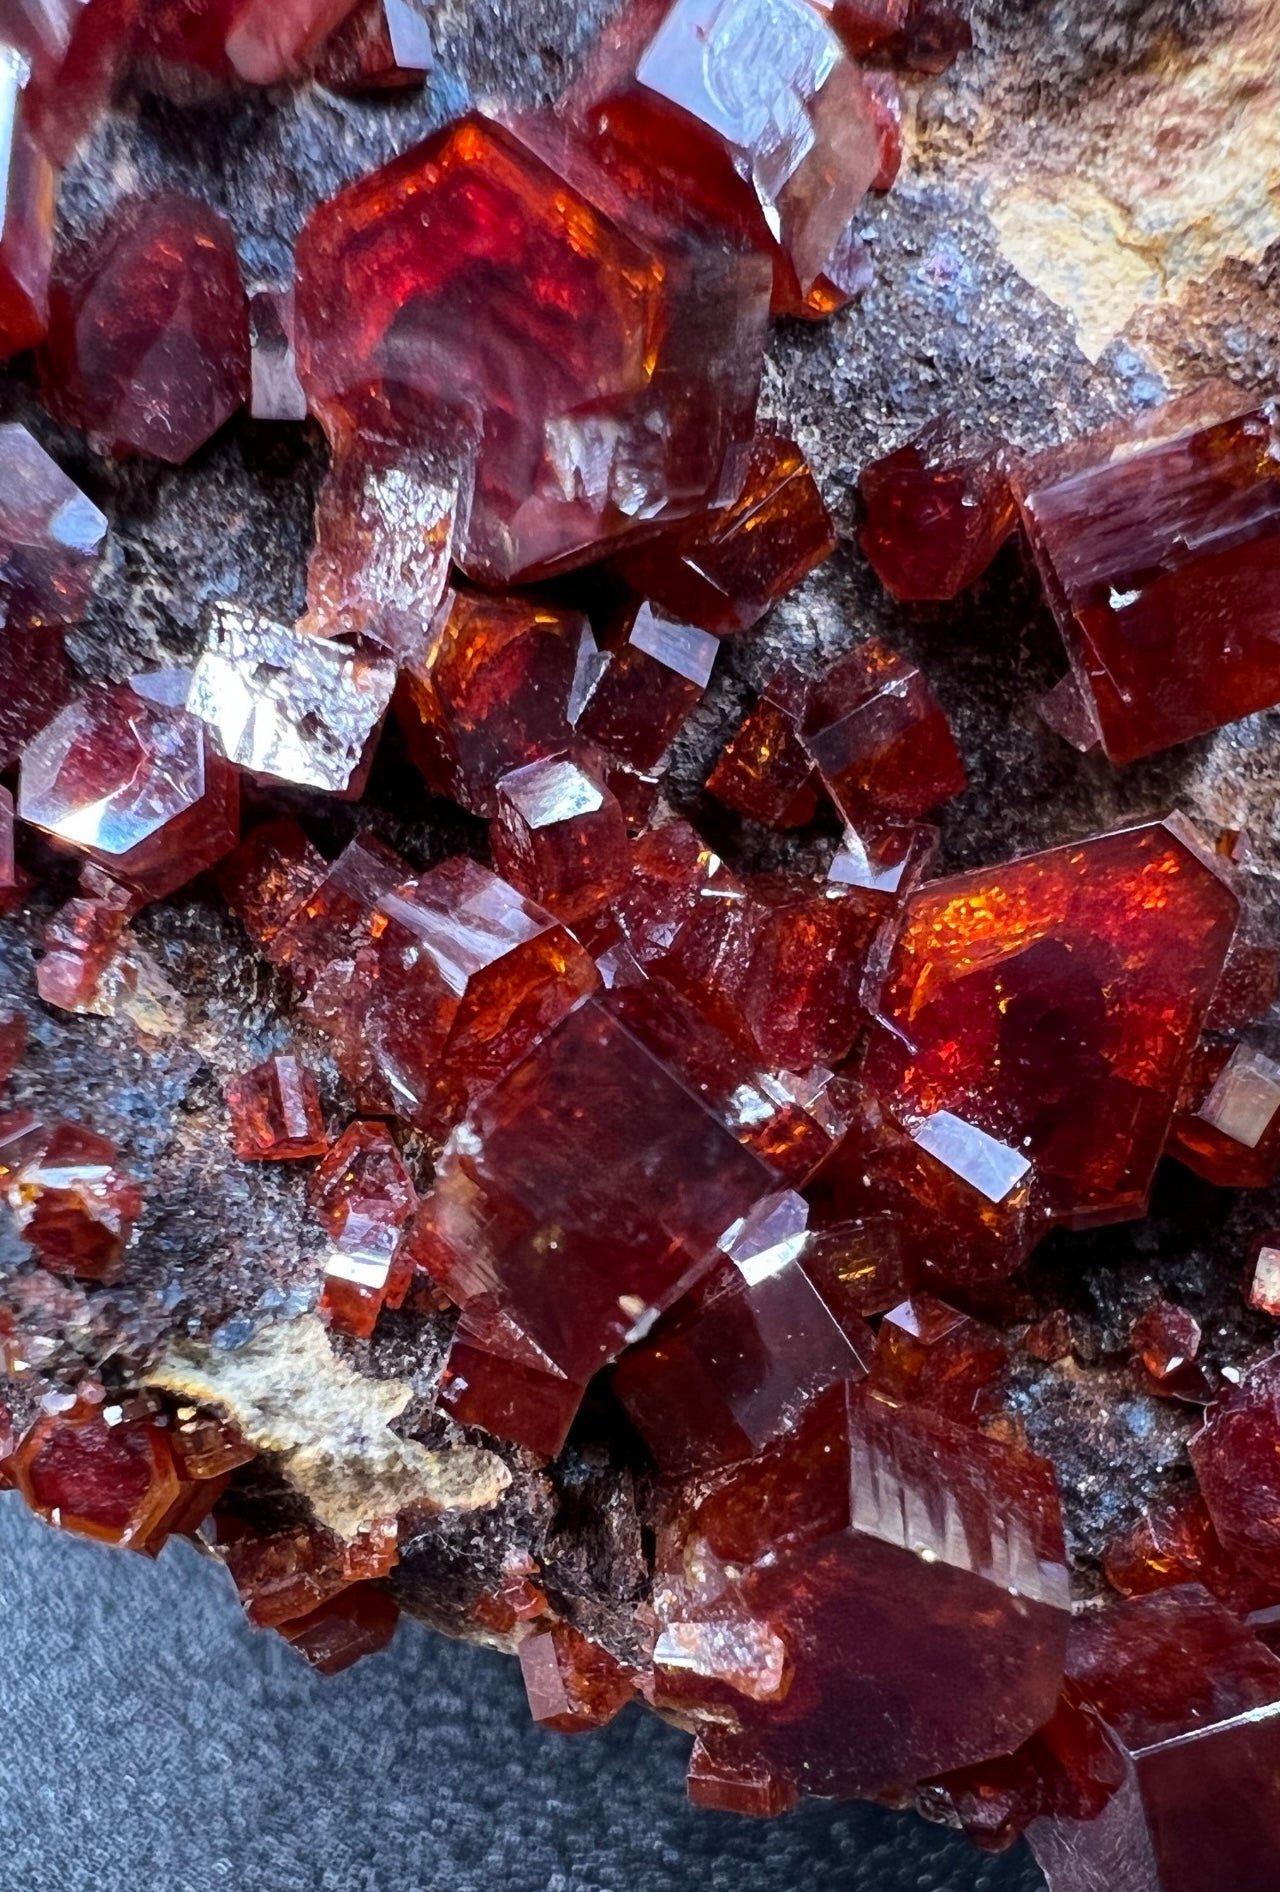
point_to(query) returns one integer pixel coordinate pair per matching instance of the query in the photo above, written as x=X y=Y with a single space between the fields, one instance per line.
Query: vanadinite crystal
x=935 y=513
x=363 y=1198
x=27 y=201
x=383 y=45
x=68 y=1197
x=275 y=1112
x=1147 y=557
x=275 y=392
x=642 y=686
x=1236 y=1455
x=51 y=542
x=879 y=738
x=485 y=297
x=560 y=836
x=879 y=1568
x=148 y=344
x=133 y=785
x=76 y=49
x=94 y=1471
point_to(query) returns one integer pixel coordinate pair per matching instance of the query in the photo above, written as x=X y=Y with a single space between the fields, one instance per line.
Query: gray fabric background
x=153 y=1743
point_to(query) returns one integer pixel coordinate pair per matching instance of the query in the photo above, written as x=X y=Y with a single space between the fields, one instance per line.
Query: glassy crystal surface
x=936 y=512
x=290 y=1573
x=76 y=49
x=652 y=673
x=588 y=408
x=1235 y=1455
x=69 y=1198
x=271 y=40
x=880 y=1568
x=275 y=1112
x=928 y=1351
x=275 y=392
x=560 y=836
x=131 y=784
x=572 y=1683
x=879 y=738
x=354 y=1624
x=269 y=877
x=1228 y=1125
x=765 y=771
x=51 y=544
x=282 y=704
x=490 y=692
x=510 y=1388
x=383 y=46
x=1037 y=1022
x=1263 y=1291
x=1145 y=557
x=113 y=1482
x=148 y=343
x=27 y=188
x=925 y=35
x=363 y=1197
x=722 y=570
x=1165 y=1338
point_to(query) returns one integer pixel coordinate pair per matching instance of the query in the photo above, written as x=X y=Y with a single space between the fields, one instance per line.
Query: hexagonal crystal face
x=111 y=770
x=299 y=708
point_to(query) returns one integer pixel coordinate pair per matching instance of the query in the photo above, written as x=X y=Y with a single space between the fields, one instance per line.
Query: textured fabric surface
x=151 y=1740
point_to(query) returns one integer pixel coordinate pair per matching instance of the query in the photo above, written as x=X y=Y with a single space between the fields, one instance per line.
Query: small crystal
x=936 y=512
x=653 y=673
x=1165 y=1338
x=572 y=1683
x=68 y=1198
x=27 y=188
x=1236 y=1458
x=1264 y=1280
x=363 y=1198
x=1228 y=1126
x=879 y=739
x=275 y=1112
x=928 y=1351
x=271 y=40
x=295 y=708
x=384 y=45
x=356 y=1623
x=765 y=771
x=116 y=1483
x=560 y=837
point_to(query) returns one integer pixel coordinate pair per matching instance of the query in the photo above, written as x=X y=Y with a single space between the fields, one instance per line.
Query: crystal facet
x=275 y=1112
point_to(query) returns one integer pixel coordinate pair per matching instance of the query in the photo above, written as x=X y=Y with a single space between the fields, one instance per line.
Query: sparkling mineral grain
x=81 y=941
x=491 y=692
x=572 y=1683
x=275 y=392
x=936 y=512
x=386 y=523
x=1228 y=1126
x=363 y=1198
x=269 y=877
x=1263 y=1292
x=27 y=189
x=91 y=1471
x=1145 y=558
x=878 y=1567
x=724 y=569
x=132 y=785
x=765 y=772
x=485 y=298
x=1236 y=1456
x=928 y=1351
x=275 y=1112
x=560 y=837
x=1165 y=1338
x=1038 y=1019
x=148 y=343
x=1189 y=1701
x=51 y=543
x=650 y=675
x=383 y=46
x=281 y=704
x=68 y=1197
x=879 y=738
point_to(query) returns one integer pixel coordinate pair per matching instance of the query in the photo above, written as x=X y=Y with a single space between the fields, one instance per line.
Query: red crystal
x=879 y=739
x=856 y=1268
x=765 y=771
x=1144 y=556
x=1236 y=1457
x=736 y=1787
x=722 y=570
x=13 y=1041
x=13 y=882
x=1165 y=1338
x=936 y=512
x=114 y=1482
x=384 y=45
x=736 y=1365
x=572 y=1683
x=148 y=344
x=51 y=543
x=133 y=785
x=271 y=40
x=275 y=392
x=1228 y=1125
x=76 y=49
x=509 y=1388
x=290 y=1574
x=354 y=1624
x=273 y=872
x=1175 y=1543
x=363 y=1198
x=27 y=189
x=81 y=942
x=275 y=1112
x=923 y=34
x=1189 y=1700
x=643 y=686
x=331 y=922
x=878 y=1568
x=69 y=1200
x=560 y=837
x=1037 y=1021
x=930 y=1352
x=1264 y=1276
x=481 y=286
x=490 y=693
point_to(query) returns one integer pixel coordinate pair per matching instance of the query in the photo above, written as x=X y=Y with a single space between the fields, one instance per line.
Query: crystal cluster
x=733 y=1167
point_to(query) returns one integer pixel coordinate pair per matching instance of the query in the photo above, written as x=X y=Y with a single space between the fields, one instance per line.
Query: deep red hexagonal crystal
x=383 y=46
x=69 y=1198
x=292 y=1573
x=879 y=738
x=99 y=1475
x=560 y=836
x=765 y=771
x=81 y=942
x=572 y=1683
x=1146 y=556
x=877 y=1568
x=275 y=1112
x=634 y=697
x=1236 y=1454
x=271 y=40
x=148 y=344
x=363 y=1198
x=491 y=692
x=76 y=49
x=354 y=1624
x=1228 y=1124
x=1189 y=1704
x=134 y=786
x=487 y=297
x=928 y=1351
x=724 y=569
x=936 y=512
x=1038 y=1018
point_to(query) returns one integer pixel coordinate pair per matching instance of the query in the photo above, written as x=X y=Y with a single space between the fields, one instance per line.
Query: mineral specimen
x=101 y=1474
x=76 y=49
x=27 y=200
x=282 y=704
x=270 y=40
x=363 y=1198
x=132 y=785
x=1228 y=1128
x=560 y=837
x=650 y=675
x=1235 y=1456
x=383 y=45
x=275 y=1112
x=935 y=513
x=765 y=771
x=572 y=1683
x=68 y=1198
x=148 y=343
x=587 y=405
x=930 y=1352
x=879 y=739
